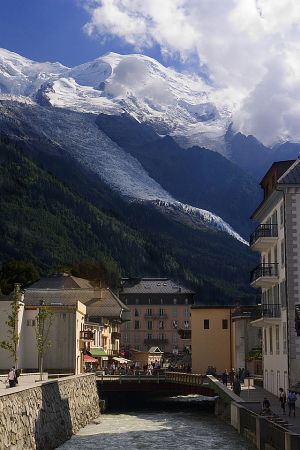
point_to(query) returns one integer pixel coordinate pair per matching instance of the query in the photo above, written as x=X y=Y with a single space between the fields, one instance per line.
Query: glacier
x=60 y=105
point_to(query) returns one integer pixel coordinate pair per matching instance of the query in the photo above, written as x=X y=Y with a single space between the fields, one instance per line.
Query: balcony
x=264 y=275
x=115 y=335
x=86 y=335
x=155 y=316
x=270 y=315
x=185 y=334
x=155 y=341
x=263 y=237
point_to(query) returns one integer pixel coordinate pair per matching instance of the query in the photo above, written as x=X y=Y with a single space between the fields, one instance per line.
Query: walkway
x=257 y=394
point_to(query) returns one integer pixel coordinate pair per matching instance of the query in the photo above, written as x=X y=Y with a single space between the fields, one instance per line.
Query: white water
x=158 y=431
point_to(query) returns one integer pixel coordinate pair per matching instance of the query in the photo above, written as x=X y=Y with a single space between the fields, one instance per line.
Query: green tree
x=44 y=321
x=12 y=341
x=17 y=271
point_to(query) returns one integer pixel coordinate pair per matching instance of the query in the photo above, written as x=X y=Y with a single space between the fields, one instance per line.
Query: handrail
x=264 y=270
x=264 y=230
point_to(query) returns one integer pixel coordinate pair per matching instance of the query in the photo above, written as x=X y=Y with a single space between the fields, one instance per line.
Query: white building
x=277 y=239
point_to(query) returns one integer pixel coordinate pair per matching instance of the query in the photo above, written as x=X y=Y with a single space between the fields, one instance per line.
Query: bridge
x=162 y=383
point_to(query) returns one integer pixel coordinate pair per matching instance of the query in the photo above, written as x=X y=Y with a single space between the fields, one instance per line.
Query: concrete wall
x=46 y=415
x=211 y=347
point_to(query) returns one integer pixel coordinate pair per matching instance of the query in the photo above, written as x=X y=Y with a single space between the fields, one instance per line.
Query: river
x=158 y=430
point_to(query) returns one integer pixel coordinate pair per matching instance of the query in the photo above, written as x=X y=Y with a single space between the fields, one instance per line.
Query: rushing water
x=158 y=430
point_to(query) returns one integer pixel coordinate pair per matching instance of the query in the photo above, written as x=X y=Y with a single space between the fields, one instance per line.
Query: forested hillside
x=55 y=214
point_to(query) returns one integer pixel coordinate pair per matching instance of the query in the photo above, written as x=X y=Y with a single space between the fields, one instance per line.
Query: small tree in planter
x=44 y=321
x=12 y=342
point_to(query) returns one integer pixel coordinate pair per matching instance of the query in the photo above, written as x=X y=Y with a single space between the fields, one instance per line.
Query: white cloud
x=251 y=49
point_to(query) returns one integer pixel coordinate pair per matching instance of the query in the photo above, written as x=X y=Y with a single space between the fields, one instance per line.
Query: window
x=174 y=312
x=186 y=301
x=225 y=324
x=175 y=301
x=206 y=324
x=136 y=312
x=149 y=324
x=265 y=342
x=175 y=323
x=161 y=336
x=137 y=301
x=284 y=338
x=161 y=324
x=277 y=339
x=136 y=337
x=125 y=337
x=149 y=312
x=149 y=336
x=282 y=250
x=271 y=340
x=186 y=312
x=275 y=254
x=186 y=324
x=161 y=312
x=281 y=215
x=136 y=324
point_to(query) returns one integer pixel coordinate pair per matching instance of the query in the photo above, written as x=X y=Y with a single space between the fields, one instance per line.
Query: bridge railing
x=192 y=379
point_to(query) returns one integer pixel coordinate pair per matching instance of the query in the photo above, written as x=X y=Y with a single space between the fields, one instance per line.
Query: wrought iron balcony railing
x=269 y=311
x=264 y=270
x=155 y=341
x=264 y=231
x=86 y=335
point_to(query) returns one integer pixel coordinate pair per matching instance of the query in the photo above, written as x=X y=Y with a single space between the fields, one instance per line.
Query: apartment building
x=277 y=239
x=160 y=314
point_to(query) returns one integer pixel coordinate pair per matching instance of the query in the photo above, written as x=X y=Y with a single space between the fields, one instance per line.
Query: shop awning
x=89 y=359
x=121 y=360
x=97 y=352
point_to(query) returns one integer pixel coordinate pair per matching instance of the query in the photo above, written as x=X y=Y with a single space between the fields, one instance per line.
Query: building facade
x=160 y=315
x=85 y=322
x=277 y=239
x=211 y=338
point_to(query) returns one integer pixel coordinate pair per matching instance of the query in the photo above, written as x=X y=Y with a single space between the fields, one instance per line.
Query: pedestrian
x=291 y=400
x=231 y=376
x=225 y=377
x=11 y=377
x=236 y=386
x=266 y=407
x=282 y=399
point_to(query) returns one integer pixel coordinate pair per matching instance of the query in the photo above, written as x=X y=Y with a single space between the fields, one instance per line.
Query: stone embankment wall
x=44 y=416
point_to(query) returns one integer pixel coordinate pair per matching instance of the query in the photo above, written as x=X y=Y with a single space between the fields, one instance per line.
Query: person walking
x=291 y=400
x=282 y=399
x=225 y=377
x=231 y=377
x=236 y=386
x=11 y=377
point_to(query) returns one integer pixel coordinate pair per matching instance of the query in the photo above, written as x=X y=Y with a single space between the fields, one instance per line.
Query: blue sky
x=52 y=30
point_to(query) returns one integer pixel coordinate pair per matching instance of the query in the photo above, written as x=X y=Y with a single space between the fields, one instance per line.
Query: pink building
x=160 y=314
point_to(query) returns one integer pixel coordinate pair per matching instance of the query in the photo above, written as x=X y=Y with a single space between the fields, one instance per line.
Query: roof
x=99 y=302
x=62 y=281
x=108 y=305
x=154 y=350
x=292 y=175
x=152 y=286
x=281 y=168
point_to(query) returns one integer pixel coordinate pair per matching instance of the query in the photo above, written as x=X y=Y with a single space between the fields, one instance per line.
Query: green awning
x=97 y=352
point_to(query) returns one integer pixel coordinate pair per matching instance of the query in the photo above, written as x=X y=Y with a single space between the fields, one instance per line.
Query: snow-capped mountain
x=177 y=104
x=57 y=104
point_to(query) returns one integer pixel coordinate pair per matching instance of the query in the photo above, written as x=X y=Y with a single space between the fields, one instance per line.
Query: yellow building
x=211 y=338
